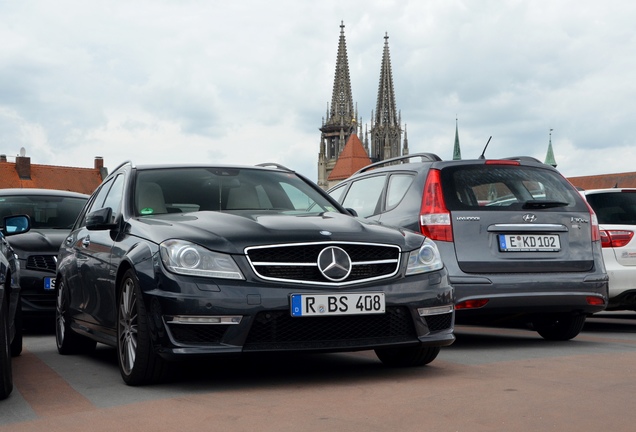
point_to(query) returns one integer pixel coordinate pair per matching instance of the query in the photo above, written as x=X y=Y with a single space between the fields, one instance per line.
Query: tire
x=6 y=377
x=560 y=328
x=16 y=344
x=411 y=356
x=67 y=341
x=138 y=362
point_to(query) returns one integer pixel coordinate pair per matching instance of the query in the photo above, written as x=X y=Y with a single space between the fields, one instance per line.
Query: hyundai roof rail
x=431 y=157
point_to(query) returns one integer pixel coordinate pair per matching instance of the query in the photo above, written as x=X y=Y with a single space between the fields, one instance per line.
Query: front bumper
x=38 y=296
x=196 y=317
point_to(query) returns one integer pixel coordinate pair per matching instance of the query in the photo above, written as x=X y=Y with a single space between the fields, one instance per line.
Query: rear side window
x=364 y=195
x=614 y=207
x=502 y=187
x=397 y=187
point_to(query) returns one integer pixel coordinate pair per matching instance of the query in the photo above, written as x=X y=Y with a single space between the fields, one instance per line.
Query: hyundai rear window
x=503 y=187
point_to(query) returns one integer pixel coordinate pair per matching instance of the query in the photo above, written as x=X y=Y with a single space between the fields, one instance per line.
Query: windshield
x=45 y=211
x=182 y=190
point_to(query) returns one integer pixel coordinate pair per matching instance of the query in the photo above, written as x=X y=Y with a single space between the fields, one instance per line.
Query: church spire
x=457 y=152
x=549 y=158
x=342 y=109
x=385 y=128
x=341 y=120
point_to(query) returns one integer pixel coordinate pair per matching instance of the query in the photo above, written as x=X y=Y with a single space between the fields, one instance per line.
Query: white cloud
x=247 y=81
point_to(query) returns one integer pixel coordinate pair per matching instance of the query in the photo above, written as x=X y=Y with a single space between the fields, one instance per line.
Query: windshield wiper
x=543 y=204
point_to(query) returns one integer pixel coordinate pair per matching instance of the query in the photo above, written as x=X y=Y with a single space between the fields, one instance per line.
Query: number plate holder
x=529 y=243
x=303 y=305
x=49 y=283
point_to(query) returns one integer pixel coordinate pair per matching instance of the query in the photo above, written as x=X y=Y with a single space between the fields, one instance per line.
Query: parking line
x=45 y=390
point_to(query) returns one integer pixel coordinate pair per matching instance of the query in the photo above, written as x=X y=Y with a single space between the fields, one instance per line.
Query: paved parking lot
x=489 y=380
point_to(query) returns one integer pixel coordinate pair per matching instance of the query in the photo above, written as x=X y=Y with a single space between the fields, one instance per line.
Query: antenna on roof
x=482 y=155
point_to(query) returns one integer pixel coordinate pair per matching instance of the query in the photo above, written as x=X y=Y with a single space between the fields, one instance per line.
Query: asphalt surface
x=489 y=380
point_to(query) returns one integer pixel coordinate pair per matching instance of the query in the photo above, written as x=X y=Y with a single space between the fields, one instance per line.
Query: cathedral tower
x=341 y=116
x=386 y=130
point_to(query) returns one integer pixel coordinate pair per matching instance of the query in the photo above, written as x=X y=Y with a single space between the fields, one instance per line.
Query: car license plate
x=529 y=243
x=337 y=304
x=49 y=283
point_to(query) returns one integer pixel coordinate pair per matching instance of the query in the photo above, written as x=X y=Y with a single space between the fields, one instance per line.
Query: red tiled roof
x=605 y=181
x=352 y=158
x=82 y=180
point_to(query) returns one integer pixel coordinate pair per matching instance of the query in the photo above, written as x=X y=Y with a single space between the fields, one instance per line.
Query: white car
x=616 y=212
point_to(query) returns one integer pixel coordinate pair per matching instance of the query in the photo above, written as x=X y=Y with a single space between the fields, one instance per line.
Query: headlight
x=426 y=259
x=187 y=258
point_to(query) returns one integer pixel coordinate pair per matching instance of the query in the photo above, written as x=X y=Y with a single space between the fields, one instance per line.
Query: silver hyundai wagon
x=521 y=245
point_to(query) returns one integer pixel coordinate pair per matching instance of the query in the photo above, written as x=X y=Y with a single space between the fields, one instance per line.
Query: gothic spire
x=342 y=109
x=385 y=112
x=457 y=152
x=549 y=158
x=386 y=129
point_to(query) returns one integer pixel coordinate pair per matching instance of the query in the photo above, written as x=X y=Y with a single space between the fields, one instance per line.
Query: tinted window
x=494 y=187
x=113 y=199
x=178 y=190
x=397 y=187
x=614 y=207
x=364 y=195
x=45 y=211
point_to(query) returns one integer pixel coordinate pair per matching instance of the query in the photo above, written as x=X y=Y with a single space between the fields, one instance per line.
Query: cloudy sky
x=249 y=81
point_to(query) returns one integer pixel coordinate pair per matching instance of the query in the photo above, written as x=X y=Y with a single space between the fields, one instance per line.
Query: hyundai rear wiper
x=541 y=204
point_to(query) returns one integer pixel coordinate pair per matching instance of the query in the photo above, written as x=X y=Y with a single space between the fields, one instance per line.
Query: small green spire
x=457 y=152
x=549 y=158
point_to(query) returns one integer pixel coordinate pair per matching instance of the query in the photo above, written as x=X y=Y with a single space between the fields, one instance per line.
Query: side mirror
x=16 y=224
x=100 y=220
x=352 y=212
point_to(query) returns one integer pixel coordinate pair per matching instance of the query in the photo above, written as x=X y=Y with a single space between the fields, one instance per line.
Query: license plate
x=49 y=284
x=529 y=243
x=336 y=304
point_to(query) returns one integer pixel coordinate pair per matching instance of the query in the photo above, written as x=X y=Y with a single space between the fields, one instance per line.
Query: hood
x=232 y=233
x=40 y=241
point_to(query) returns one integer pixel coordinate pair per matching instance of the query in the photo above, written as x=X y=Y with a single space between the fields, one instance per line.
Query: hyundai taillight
x=616 y=238
x=435 y=220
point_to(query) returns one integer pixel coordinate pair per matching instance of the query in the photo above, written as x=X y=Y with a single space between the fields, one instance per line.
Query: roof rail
x=431 y=157
x=524 y=158
x=274 y=165
x=128 y=162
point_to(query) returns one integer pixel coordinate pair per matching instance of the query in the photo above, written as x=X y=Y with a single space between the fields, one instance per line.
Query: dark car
x=521 y=245
x=167 y=262
x=52 y=214
x=10 y=317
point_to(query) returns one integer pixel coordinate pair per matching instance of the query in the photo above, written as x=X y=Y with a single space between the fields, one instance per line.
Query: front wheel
x=67 y=341
x=560 y=328
x=6 y=377
x=419 y=355
x=138 y=362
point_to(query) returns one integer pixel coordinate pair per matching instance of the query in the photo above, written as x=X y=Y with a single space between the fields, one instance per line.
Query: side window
x=364 y=195
x=114 y=197
x=337 y=193
x=396 y=189
x=98 y=201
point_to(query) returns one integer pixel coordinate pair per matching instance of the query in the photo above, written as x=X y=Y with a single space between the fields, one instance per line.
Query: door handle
x=86 y=241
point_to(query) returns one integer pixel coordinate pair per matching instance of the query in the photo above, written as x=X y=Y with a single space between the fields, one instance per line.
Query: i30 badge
x=529 y=217
x=334 y=263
